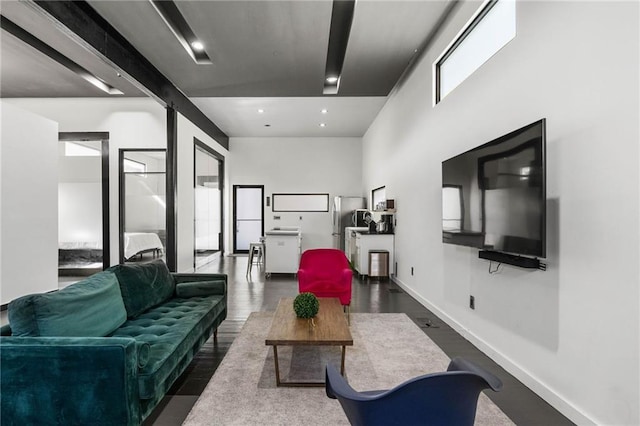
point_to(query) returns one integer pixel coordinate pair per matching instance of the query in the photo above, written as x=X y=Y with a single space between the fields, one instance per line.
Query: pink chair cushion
x=325 y=273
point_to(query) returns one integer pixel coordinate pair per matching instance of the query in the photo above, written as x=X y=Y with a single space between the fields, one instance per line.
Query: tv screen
x=494 y=196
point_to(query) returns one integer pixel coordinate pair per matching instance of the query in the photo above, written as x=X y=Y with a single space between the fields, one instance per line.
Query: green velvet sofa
x=104 y=351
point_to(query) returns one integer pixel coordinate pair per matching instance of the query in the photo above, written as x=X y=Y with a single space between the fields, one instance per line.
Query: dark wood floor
x=260 y=294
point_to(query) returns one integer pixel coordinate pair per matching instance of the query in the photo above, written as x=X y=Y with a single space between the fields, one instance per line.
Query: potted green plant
x=306 y=305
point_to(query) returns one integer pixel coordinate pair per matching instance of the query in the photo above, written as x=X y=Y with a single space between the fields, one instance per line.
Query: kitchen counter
x=281 y=232
x=282 y=250
x=284 y=230
x=374 y=233
x=365 y=242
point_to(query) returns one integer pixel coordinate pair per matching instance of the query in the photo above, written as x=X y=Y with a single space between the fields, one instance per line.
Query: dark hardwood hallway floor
x=256 y=293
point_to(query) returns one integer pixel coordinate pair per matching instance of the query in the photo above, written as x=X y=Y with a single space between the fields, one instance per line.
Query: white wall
x=298 y=165
x=80 y=213
x=187 y=131
x=570 y=333
x=131 y=123
x=79 y=197
x=28 y=204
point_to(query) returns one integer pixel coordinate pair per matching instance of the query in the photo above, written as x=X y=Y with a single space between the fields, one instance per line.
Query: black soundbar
x=511 y=259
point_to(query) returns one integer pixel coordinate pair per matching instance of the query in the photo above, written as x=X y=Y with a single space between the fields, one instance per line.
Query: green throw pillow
x=92 y=307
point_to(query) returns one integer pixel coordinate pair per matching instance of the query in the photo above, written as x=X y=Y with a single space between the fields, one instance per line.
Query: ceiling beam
x=26 y=37
x=79 y=21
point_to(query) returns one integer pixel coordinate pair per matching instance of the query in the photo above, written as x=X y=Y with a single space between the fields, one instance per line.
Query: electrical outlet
x=472 y=302
x=412 y=270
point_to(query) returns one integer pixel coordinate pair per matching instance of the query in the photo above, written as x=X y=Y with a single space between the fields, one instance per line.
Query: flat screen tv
x=494 y=196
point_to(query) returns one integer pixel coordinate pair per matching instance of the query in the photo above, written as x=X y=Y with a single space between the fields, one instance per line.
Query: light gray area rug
x=388 y=349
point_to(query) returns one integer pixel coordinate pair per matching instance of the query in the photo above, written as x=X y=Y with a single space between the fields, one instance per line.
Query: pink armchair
x=325 y=272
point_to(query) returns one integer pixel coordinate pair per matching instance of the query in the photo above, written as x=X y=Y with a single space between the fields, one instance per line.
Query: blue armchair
x=447 y=398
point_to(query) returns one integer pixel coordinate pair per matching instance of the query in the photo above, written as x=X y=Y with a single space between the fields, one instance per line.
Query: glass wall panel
x=144 y=204
x=208 y=204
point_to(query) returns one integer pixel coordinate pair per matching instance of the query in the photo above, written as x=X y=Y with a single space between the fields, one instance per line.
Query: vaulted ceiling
x=268 y=55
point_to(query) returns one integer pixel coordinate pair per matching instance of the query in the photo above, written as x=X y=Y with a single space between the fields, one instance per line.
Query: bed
x=79 y=256
x=80 y=250
x=138 y=243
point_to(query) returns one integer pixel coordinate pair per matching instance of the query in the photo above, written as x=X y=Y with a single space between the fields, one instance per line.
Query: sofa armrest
x=188 y=285
x=5 y=330
x=69 y=380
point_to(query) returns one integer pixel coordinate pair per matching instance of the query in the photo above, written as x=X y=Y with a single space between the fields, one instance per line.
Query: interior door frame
x=199 y=144
x=235 y=216
x=103 y=137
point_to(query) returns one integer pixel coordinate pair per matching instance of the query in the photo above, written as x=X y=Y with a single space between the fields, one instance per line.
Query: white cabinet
x=366 y=242
x=350 y=241
x=282 y=250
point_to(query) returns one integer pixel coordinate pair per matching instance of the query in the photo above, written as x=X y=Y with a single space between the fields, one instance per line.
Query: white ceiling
x=291 y=117
x=267 y=54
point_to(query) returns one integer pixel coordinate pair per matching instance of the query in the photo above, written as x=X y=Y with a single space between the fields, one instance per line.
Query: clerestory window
x=493 y=26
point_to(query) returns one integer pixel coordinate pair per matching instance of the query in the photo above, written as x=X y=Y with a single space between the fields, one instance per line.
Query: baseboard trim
x=529 y=380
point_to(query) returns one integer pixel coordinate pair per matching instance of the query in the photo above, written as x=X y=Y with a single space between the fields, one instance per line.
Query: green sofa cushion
x=172 y=330
x=144 y=286
x=199 y=288
x=92 y=307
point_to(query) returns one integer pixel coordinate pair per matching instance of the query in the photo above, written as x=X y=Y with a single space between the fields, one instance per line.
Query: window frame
x=375 y=196
x=300 y=201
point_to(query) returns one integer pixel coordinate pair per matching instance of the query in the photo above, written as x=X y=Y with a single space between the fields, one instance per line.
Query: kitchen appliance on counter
x=342 y=216
x=358 y=218
x=385 y=224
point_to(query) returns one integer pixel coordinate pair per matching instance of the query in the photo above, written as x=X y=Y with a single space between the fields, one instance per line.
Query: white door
x=248 y=216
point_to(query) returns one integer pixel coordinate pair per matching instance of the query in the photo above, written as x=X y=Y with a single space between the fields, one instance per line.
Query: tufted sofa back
x=144 y=285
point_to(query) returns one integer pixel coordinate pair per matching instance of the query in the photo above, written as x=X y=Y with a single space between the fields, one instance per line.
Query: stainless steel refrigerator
x=342 y=216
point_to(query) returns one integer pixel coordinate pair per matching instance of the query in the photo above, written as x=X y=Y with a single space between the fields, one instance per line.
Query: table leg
x=275 y=358
x=279 y=382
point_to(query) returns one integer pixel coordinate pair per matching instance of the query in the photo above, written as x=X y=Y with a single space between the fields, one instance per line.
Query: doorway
x=208 y=182
x=83 y=203
x=248 y=216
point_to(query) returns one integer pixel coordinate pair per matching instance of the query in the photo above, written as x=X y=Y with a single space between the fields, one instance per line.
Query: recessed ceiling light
x=197 y=45
x=173 y=18
x=323 y=124
x=260 y=111
x=332 y=79
x=324 y=111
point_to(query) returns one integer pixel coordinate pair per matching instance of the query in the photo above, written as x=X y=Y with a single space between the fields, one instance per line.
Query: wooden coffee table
x=331 y=329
